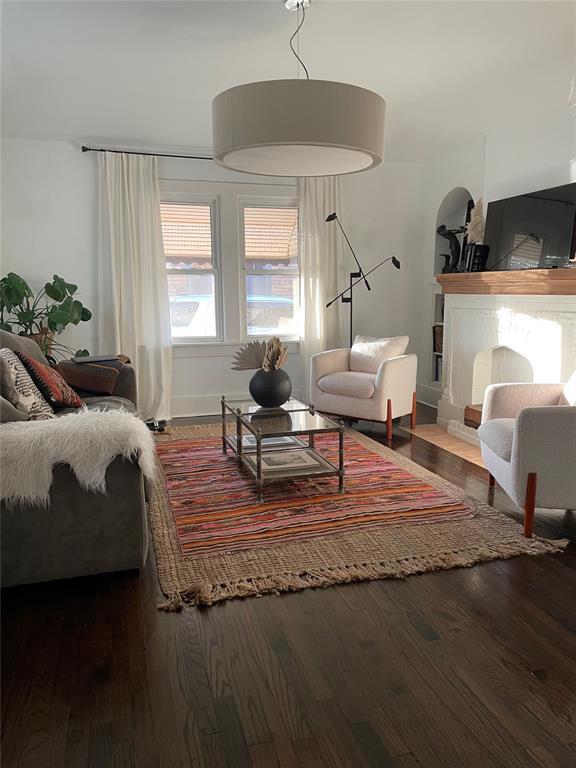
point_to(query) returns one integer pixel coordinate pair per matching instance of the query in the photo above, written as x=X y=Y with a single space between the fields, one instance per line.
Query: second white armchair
x=528 y=442
x=375 y=380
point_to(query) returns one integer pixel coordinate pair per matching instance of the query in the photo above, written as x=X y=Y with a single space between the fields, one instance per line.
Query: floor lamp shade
x=298 y=128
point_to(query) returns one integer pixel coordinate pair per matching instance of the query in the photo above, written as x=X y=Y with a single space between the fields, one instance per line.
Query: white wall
x=383 y=214
x=48 y=219
x=531 y=141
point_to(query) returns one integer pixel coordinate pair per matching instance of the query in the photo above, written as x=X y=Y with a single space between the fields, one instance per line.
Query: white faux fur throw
x=88 y=441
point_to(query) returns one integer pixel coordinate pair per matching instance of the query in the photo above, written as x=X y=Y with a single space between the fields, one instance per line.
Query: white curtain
x=322 y=270
x=133 y=312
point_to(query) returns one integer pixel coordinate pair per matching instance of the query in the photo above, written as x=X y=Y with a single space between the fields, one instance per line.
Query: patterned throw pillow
x=19 y=389
x=50 y=383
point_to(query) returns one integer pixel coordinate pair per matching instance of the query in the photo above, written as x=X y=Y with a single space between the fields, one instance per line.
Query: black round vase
x=270 y=388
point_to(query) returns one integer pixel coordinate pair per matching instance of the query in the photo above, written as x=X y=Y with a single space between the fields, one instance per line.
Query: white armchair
x=381 y=394
x=528 y=443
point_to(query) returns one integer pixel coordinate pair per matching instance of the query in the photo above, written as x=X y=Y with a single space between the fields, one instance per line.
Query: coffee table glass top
x=250 y=407
x=287 y=422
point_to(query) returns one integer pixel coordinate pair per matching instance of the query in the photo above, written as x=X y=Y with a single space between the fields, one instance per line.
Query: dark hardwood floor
x=469 y=667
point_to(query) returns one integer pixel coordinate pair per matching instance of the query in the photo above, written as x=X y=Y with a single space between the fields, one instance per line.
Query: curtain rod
x=148 y=154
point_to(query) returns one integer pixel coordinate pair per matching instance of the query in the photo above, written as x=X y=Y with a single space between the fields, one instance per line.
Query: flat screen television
x=534 y=230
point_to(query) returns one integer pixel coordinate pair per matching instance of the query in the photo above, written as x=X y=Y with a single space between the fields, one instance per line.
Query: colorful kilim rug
x=214 y=540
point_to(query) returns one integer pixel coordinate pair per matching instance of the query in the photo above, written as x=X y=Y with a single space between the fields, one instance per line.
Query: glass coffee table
x=277 y=444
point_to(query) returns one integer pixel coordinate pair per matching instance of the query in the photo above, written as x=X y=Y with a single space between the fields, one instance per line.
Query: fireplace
x=497 y=365
x=492 y=338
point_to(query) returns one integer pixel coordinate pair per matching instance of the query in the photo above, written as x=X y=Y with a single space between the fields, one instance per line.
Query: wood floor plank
x=233 y=740
x=264 y=756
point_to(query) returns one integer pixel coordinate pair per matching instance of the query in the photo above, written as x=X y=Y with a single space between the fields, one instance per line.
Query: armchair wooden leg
x=389 y=420
x=491 y=480
x=413 y=414
x=530 y=504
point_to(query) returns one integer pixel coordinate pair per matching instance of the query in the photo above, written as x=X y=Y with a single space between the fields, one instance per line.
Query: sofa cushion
x=19 y=388
x=498 y=435
x=349 y=384
x=53 y=387
x=22 y=344
x=368 y=353
x=98 y=377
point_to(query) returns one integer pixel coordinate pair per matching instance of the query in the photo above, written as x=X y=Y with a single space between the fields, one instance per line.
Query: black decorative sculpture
x=454 y=245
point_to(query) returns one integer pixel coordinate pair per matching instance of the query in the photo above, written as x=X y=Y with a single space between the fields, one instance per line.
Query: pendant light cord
x=300 y=6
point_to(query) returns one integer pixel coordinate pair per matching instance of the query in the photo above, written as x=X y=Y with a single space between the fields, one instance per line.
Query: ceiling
x=145 y=72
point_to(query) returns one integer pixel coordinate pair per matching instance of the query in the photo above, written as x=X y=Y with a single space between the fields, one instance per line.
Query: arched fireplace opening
x=496 y=365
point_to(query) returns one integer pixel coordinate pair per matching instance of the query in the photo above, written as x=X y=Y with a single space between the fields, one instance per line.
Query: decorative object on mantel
x=41 y=316
x=475 y=229
x=270 y=386
x=451 y=260
x=298 y=127
x=395 y=519
x=476 y=251
x=476 y=257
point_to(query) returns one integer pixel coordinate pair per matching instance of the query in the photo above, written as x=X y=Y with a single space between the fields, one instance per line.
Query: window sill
x=190 y=348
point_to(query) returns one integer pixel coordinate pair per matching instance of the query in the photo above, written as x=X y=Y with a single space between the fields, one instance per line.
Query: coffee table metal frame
x=244 y=422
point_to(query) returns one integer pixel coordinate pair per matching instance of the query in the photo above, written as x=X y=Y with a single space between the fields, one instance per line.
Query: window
x=188 y=233
x=272 y=270
x=232 y=261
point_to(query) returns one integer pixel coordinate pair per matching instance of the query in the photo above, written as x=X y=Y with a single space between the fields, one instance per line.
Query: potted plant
x=43 y=315
x=270 y=386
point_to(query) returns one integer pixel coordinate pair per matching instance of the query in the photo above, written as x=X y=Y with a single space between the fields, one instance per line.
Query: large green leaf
x=55 y=291
x=59 y=317
x=68 y=287
x=25 y=316
x=76 y=312
x=5 y=327
x=13 y=290
x=66 y=305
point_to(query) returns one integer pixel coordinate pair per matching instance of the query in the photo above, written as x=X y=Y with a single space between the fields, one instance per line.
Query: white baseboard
x=209 y=405
x=468 y=434
x=428 y=395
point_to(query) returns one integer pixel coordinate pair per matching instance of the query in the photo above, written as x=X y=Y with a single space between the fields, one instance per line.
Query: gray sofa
x=80 y=533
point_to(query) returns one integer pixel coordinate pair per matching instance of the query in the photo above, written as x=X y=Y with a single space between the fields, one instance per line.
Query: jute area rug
x=214 y=541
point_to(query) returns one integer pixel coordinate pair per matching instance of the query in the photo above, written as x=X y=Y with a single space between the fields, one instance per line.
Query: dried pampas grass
x=475 y=229
x=276 y=355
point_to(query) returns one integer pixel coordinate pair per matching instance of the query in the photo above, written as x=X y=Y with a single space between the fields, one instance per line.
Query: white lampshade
x=298 y=128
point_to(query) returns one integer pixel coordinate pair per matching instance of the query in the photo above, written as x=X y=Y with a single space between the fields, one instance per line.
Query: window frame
x=264 y=201
x=228 y=221
x=214 y=202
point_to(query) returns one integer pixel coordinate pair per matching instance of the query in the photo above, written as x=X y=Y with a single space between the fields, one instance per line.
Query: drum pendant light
x=298 y=127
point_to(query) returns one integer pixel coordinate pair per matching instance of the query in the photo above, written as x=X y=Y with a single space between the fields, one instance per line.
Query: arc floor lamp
x=356 y=277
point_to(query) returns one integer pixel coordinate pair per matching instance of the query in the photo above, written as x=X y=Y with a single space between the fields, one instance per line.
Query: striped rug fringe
x=208 y=594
